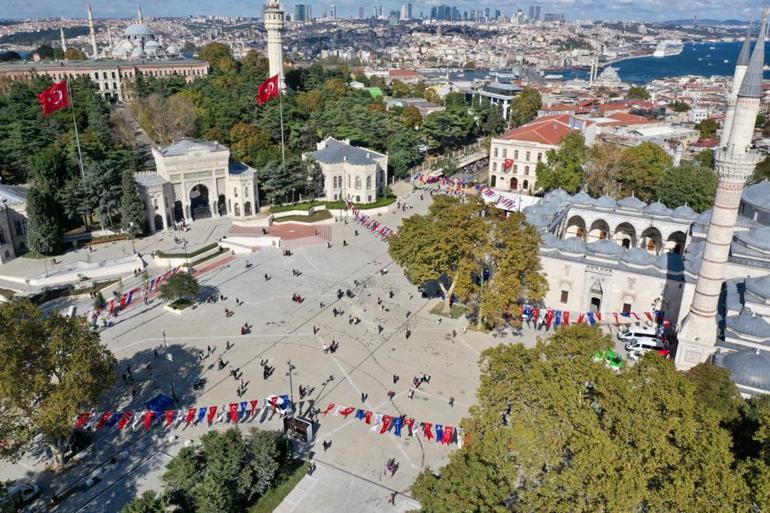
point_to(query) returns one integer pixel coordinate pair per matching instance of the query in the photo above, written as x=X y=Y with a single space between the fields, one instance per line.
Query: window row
x=527 y=154
x=514 y=168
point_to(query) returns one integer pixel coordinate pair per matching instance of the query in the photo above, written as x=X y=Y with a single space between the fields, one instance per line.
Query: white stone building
x=351 y=173
x=195 y=180
x=13 y=222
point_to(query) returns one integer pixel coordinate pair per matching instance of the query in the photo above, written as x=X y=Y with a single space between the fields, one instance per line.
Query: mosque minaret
x=734 y=163
x=732 y=97
x=92 y=32
x=63 y=40
x=273 y=16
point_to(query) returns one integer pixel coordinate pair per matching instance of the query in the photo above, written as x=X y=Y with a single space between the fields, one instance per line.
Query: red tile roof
x=624 y=118
x=407 y=73
x=546 y=130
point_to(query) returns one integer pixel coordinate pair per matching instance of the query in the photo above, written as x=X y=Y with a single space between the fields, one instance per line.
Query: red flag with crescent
x=508 y=164
x=54 y=98
x=268 y=90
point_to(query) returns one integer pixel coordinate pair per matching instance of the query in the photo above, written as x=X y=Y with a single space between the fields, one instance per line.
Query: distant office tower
x=486 y=13
x=360 y=13
x=497 y=14
x=332 y=11
x=531 y=13
x=455 y=13
x=380 y=11
x=409 y=10
x=300 y=12
x=537 y=13
x=402 y=13
x=309 y=12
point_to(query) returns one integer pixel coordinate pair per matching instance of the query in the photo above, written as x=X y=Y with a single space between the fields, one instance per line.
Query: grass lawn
x=313 y=218
x=268 y=502
x=455 y=312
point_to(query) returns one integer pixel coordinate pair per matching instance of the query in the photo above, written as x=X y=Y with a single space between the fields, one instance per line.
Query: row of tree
x=553 y=431
x=645 y=171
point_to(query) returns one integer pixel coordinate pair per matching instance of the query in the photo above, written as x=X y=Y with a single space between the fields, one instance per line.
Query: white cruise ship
x=667 y=48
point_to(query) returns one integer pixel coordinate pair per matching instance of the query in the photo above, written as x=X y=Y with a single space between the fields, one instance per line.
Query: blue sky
x=596 y=9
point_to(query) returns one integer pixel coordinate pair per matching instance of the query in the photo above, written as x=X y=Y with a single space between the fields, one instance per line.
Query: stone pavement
x=331 y=490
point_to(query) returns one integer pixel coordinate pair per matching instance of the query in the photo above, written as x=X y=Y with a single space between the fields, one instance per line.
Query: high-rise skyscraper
x=486 y=13
x=300 y=12
x=531 y=13
x=273 y=16
x=332 y=11
x=361 y=12
x=537 y=13
x=402 y=13
x=409 y=11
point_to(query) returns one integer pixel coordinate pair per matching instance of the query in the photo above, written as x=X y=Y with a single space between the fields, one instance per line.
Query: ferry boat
x=668 y=47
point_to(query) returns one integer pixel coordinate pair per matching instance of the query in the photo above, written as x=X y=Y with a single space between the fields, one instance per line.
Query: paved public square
x=374 y=357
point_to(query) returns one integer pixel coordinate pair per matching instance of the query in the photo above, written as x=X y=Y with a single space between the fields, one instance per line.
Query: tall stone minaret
x=732 y=96
x=274 y=25
x=139 y=15
x=63 y=40
x=734 y=163
x=92 y=31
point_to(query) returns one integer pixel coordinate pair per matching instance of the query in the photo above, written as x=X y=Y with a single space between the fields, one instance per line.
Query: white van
x=637 y=334
x=644 y=346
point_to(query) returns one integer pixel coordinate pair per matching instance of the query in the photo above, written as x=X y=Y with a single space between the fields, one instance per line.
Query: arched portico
x=625 y=235
x=675 y=243
x=576 y=227
x=652 y=240
x=199 y=202
x=599 y=230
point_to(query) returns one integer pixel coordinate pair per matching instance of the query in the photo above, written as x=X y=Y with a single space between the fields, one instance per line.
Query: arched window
x=369 y=182
x=526 y=170
x=525 y=185
x=527 y=159
x=358 y=183
x=494 y=166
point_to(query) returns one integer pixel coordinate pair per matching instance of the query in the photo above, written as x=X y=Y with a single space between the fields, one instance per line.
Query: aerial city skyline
x=644 y=10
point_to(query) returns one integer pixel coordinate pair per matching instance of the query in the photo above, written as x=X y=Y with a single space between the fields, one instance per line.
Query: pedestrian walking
x=411 y=393
x=451 y=401
x=364 y=397
x=392 y=498
x=391 y=394
x=395 y=378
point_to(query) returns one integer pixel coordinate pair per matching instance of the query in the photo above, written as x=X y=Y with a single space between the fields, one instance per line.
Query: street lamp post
x=169 y=359
x=132 y=233
x=291 y=384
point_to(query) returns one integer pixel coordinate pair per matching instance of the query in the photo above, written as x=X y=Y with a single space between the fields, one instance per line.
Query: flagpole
x=80 y=153
x=283 y=147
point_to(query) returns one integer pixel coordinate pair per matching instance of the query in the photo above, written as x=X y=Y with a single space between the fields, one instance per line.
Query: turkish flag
x=508 y=164
x=268 y=90
x=54 y=98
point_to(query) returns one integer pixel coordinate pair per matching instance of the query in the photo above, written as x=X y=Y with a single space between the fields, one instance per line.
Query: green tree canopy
x=687 y=184
x=761 y=171
x=554 y=431
x=51 y=369
x=448 y=129
x=403 y=152
x=642 y=169
x=679 y=106
x=179 y=285
x=638 y=93
x=707 y=128
x=43 y=229
x=563 y=167
x=219 y=56
x=715 y=391
x=525 y=106
x=132 y=211
x=705 y=158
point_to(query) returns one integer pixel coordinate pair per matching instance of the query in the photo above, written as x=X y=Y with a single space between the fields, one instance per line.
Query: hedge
x=333 y=205
x=209 y=247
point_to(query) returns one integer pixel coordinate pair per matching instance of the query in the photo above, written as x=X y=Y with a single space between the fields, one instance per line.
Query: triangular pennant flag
x=190 y=415
x=387 y=420
x=103 y=420
x=368 y=416
x=148 y=416
x=170 y=414
x=234 y=412
x=448 y=435
x=439 y=433
x=212 y=413
x=201 y=414
x=254 y=406
x=347 y=411
x=426 y=429
x=244 y=409
x=125 y=419
x=377 y=421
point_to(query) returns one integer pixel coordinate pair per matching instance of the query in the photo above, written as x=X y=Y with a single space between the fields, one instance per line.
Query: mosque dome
x=172 y=49
x=549 y=240
x=559 y=195
x=632 y=203
x=573 y=245
x=758 y=238
x=749 y=324
x=684 y=212
x=606 y=202
x=657 y=209
x=670 y=263
x=758 y=195
x=759 y=286
x=605 y=247
x=151 y=44
x=638 y=256
x=749 y=367
x=583 y=199
x=138 y=29
x=137 y=52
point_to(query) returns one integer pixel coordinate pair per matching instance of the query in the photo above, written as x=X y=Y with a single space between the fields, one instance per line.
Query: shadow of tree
x=108 y=468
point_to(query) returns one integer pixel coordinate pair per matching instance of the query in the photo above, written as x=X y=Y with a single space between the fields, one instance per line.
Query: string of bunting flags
x=382 y=423
x=118 y=303
x=368 y=222
x=541 y=316
x=235 y=412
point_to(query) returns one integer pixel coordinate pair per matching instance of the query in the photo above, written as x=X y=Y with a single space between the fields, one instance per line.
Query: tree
x=257 y=64
x=707 y=128
x=99 y=301
x=603 y=169
x=132 y=209
x=149 y=502
x=524 y=107
x=403 y=152
x=74 y=54
x=553 y=431
x=52 y=368
x=43 y=229
x=400 y=89
x=411 y=117
x=563 y=167
x=715 y=391
x=643 y=168
x=637 y=93
x=219 y=56
x=448 y=129
x=9 y=56
x=689 y=183
x=761 y=171
x=441 y=245
x=456 y=100
x=281 y=184
x=179 y=285
x=228 y=472
x=705 y=158
x=679 y=106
